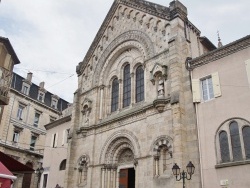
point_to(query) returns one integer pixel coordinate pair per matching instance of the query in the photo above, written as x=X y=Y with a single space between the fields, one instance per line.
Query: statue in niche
x=161 y=88
x=86 y=116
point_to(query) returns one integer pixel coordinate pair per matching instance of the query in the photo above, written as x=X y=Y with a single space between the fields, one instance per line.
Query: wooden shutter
x=247 y=62
x=196 y=90
x=216 y=84
x=63 y=138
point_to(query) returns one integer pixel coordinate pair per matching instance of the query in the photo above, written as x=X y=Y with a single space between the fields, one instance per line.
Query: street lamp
x=183 y=175
x=39 y=171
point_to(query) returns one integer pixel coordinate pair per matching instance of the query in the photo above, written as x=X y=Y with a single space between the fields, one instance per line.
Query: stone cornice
x=219 y=53
x=57 y=122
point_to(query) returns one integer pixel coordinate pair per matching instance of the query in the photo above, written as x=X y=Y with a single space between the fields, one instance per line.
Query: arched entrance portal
x=119 y=159
x=27 y=177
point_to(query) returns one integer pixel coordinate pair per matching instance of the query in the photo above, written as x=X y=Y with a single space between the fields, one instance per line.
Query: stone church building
x=133 y=115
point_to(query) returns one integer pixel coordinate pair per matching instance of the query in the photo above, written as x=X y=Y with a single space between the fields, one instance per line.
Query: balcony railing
x=5 y=80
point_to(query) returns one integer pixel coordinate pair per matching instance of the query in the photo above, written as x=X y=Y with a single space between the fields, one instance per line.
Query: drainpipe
x=198 y=133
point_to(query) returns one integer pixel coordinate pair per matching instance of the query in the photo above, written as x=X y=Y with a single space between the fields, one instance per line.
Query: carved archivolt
x=117 y=144
x=162 y=141
x=132 y=36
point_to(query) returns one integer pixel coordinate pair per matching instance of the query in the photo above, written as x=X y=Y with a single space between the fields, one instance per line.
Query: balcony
x=8 y=59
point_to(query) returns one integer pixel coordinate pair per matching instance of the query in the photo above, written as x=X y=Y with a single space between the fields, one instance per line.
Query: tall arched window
x=115 y=95
x=235 y=141
x=126 y=86
x=246 y=139
x=224 y=147
x=139 y=87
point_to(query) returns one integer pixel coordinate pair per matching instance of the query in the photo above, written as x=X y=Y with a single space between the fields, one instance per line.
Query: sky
x=50 y=37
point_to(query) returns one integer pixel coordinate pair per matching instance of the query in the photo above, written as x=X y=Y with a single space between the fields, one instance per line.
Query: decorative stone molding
x=129 y=36
x=160 y=103
x=158 y=70
x=116 y=144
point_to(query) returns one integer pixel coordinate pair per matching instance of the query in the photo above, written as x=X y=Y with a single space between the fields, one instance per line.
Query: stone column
x=108 y=177
x=120 y=94
x=114 y=177
x=108 y=100
x=101 y=101
x=133 y=89
x=103 y=178
x=156 y=158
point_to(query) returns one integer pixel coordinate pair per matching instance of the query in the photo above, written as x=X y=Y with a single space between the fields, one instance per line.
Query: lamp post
x=39 y=171
x=183 y=175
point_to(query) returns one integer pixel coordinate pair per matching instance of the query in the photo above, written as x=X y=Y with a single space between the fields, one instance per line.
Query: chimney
x=29 y=76
x=41 y=85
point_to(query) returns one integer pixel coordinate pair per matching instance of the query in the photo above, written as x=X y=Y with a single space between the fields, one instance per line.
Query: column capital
x=102 y=86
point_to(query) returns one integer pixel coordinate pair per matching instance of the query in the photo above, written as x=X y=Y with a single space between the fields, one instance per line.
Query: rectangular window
x=54 y=138
x=25 y=90
x=207 y=89
x=53 y=104
x=36 y=120
x=20 y=112
x=15 y=136
x=40 y=97
x=45 y=179
x=33 y=143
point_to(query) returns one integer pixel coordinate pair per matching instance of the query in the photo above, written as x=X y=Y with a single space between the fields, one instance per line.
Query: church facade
x=133 y=116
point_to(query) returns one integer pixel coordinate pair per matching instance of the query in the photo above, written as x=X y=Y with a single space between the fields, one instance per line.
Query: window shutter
x=216 y=84
x=196 y=90
x=247 y=62
x=56 y=140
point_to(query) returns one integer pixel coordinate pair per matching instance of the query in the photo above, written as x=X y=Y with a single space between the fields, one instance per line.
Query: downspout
x=198 y=133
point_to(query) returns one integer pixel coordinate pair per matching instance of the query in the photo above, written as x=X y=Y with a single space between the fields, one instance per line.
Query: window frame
x=208 y=88
x=36 y=119
x=32 y=148
x=115 y=95
x=20 y=111
x=139 y=77
x=126 y=86
x=242 y=123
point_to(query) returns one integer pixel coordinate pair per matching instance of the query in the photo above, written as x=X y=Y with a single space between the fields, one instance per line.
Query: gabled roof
x=14 y=165
x=219 y=53
x=10 y=49
x=176 y=9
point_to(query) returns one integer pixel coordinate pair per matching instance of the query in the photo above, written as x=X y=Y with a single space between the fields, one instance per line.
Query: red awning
x=6 y=177
x=14 y=165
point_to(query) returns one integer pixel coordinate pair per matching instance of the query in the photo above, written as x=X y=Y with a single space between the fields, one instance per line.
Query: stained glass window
x=115 y=95
x=246 y=139
x=126 y=86
x=235 y=141
x=224 y=147
x=139 y=87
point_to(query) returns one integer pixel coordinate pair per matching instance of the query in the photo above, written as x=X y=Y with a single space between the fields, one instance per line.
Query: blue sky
x=54 y=36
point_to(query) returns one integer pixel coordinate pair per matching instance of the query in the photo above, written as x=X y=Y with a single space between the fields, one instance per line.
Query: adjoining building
x=8 y=59
x=22 y=132
x=55 y=151
x=221 y=93
x=133 y=114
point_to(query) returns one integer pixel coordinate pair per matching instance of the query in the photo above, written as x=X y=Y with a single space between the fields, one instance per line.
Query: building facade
x=55 y=151
x=221 y=82
x=8 y=59
x=22 y=132
x=133 y=115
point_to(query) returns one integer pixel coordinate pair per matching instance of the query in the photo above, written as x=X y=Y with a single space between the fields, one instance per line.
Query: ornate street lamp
x=183 y=175
x=39 y=171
